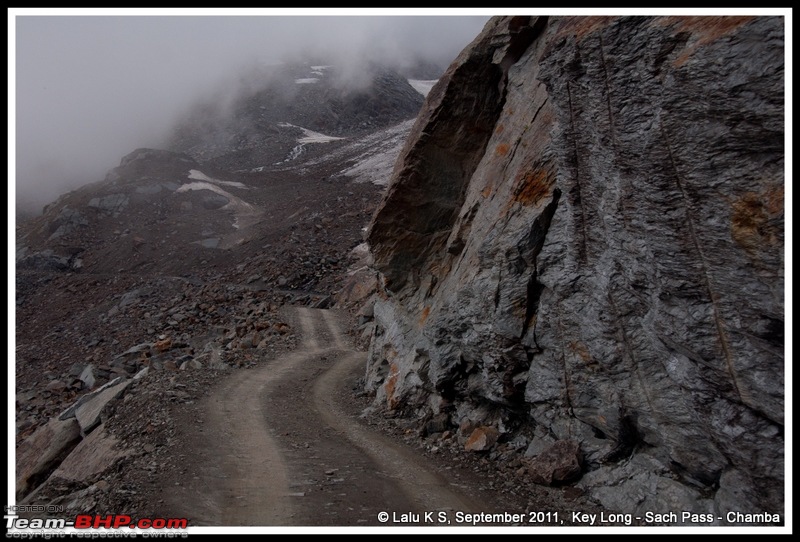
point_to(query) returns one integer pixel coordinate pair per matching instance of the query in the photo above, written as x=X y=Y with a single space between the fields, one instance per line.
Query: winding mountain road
x=282 y=445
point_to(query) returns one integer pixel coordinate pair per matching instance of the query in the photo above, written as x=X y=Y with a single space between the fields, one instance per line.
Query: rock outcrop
x=43 y=452
x=583 y=241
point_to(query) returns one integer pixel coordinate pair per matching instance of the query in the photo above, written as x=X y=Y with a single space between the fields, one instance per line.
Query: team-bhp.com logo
x=88 y=521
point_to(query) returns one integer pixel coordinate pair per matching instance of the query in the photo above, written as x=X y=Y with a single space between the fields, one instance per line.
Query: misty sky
x=90 y=89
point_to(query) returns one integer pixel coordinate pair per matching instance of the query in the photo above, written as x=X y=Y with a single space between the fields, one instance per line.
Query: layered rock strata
x=583 y=241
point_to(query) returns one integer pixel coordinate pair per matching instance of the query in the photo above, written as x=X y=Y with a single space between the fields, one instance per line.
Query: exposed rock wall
x=583 y=241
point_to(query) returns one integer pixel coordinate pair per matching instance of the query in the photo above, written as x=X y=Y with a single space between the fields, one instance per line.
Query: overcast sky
x=90 y=89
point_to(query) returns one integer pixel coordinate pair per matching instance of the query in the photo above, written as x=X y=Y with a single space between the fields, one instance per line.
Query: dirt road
x=282 y=445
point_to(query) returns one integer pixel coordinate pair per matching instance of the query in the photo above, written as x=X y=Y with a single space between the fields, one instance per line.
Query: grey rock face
x=584 y=237
x=48 y=260
x=111 y=205
x=69 y=412
x=87 y=376
x=88 y=414
x=67 y=221
x=43 y=451
x=91 y=457
x=155 y=164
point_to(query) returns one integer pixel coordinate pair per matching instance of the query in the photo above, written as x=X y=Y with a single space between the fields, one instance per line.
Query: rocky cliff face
x=583 y=241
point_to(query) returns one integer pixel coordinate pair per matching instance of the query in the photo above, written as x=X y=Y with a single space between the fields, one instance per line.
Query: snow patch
x=200 y=176
x=318 y=70
x=208 y=186
x=240 y=208
x=316 y=137
x=310 y=135
x=376 y=162
x=306 y=80
x=423 y=86
x=295 y=153
x=374 y=154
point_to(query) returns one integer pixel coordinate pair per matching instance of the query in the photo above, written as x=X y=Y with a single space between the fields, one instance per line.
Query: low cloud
x=89 y=89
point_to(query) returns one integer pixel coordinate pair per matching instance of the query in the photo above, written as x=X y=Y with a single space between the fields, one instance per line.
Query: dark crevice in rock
x=497 y=290
x=628 y=440
x=535 y=242
x=39 y=477
x=522 y=34
x=607 y=93
x=701 y=480
x=773 y=332
x=442 y=170
x=405 y=234
x=576 y=194
x=457 y=245
x=564 y=366
x=534 y=291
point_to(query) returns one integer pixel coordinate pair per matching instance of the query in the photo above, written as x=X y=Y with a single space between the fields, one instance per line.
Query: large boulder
x=40 y=453
x=561 y=462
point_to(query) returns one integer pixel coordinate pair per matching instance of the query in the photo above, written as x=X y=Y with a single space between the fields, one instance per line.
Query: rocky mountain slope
x=319 y=103
x=581 y=257
x=174 y=269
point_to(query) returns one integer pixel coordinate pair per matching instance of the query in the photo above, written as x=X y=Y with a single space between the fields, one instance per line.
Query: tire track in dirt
x=255 y=481
x=425 y=489
x=281 y=446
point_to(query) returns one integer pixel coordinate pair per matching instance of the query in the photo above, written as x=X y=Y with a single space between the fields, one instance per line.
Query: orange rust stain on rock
x=532 y=186
x=163 y=346
x=499 y=130
x=502 y=149
x=704 y=30
x=708 y=27
x=487 y=190
x=582 y=351
x=424 y=316
x=774 y=200
x=391 y=385
x=756 y=219
x=581 y=26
